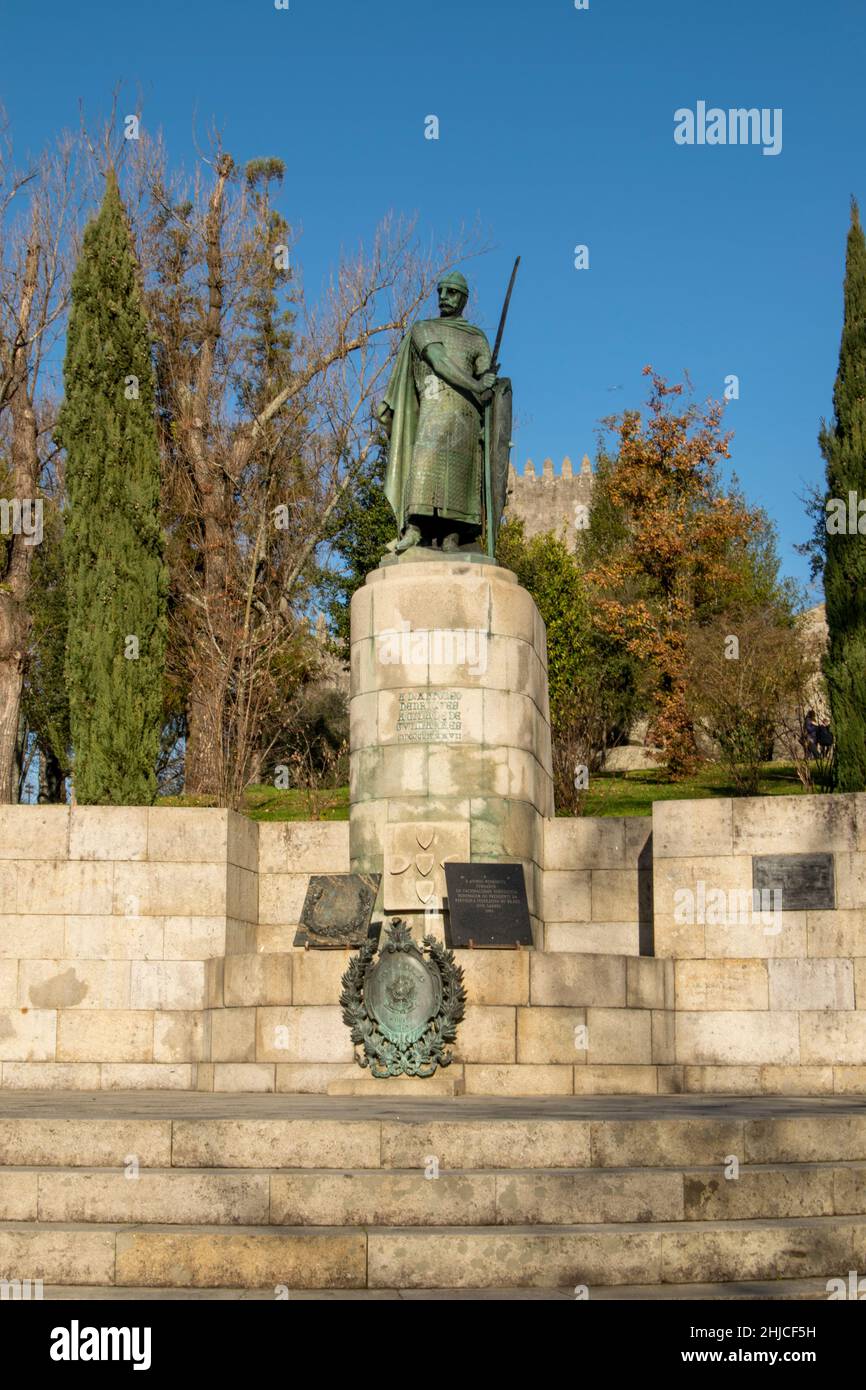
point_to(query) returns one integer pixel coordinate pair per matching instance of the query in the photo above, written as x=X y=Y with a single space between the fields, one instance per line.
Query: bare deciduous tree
x=267 y=411
x=37 y=234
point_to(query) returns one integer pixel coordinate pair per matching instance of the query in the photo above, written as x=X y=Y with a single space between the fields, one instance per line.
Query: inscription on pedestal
x=429 y=716
x=487 y=905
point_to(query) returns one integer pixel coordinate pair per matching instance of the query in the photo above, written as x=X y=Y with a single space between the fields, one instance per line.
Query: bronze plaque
x=487 y=905
x=806 y=881
x=337 y=910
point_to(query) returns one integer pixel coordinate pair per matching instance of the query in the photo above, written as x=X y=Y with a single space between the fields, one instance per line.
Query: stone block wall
x=280 y=1026
x=578 y=1022
x=765 y=1001
x=534 y=1025
x=597 y=885
x=150 y=948
x=114 y=923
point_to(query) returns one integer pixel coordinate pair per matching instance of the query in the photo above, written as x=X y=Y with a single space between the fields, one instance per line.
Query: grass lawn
x=633 y=793
x=611 y=794
x=269 y=803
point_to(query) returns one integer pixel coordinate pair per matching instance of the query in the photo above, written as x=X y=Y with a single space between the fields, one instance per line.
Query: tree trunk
x=14 y=630
x=203 y=762
x=15 y=618
x=202 y=769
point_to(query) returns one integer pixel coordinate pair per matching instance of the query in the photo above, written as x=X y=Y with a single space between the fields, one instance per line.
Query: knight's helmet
x=457 y=280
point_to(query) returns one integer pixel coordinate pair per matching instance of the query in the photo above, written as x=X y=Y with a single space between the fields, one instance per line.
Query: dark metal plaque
x=487 y=905
x=337 y=910
x=806 y=881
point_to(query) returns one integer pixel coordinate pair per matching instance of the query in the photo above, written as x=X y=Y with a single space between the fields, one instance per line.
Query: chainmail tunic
x=447 y=458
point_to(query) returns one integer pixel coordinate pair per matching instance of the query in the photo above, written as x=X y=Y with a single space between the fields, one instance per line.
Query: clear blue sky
x=556 y=128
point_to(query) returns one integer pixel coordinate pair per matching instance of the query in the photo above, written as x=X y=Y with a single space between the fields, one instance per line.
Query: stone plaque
x=337 y=910
x=429 y=716
x=415 y=855
x=806 y=881
x=487 y=905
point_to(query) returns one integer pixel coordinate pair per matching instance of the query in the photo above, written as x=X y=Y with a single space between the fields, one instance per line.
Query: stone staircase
x=284 y=1196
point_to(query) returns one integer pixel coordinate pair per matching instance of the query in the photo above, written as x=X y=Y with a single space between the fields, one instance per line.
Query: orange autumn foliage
x=672 y=552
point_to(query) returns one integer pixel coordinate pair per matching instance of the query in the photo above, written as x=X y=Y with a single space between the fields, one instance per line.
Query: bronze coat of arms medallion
x=403 y=1009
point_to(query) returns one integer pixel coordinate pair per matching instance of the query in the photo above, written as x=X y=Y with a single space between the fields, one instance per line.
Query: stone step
x=400 y=1197
x=587 y=1257
x=516 y=1143
x=460 y=1141
x=775 y=1289
x=198 y=1256
x=88 y=1143
x=580 y=1257
x=614 y=1199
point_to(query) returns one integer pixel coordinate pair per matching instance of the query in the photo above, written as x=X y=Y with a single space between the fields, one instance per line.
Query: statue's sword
x=488 y=416
x=503 y=316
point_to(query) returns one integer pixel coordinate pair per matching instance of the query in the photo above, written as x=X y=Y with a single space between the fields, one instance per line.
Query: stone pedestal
x=450 y=727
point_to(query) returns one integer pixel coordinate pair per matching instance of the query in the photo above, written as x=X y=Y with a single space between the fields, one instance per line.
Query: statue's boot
x=411 y=536
x=451 y=541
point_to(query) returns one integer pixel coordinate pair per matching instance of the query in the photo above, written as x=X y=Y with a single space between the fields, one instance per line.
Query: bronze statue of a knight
x=445 y=414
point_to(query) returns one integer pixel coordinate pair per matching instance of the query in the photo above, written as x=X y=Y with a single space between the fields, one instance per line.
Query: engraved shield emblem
x=403 y=993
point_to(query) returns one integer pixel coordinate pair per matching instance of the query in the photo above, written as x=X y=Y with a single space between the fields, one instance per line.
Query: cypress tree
x=843 y=445
x=113 y=544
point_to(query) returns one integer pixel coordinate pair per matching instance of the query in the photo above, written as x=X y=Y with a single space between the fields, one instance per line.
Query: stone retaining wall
x=764 y=1001
x=114 y=924
x=153 y=948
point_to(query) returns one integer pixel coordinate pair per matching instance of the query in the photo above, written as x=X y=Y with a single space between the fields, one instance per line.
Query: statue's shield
x=500 y=449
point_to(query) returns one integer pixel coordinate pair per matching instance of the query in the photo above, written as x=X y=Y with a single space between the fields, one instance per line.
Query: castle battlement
x=549 y=501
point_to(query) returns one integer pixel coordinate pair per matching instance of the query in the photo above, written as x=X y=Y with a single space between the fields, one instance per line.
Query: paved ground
x=205 y=1105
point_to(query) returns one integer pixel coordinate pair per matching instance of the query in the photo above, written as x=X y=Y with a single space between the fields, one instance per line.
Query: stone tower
x=551 y=501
